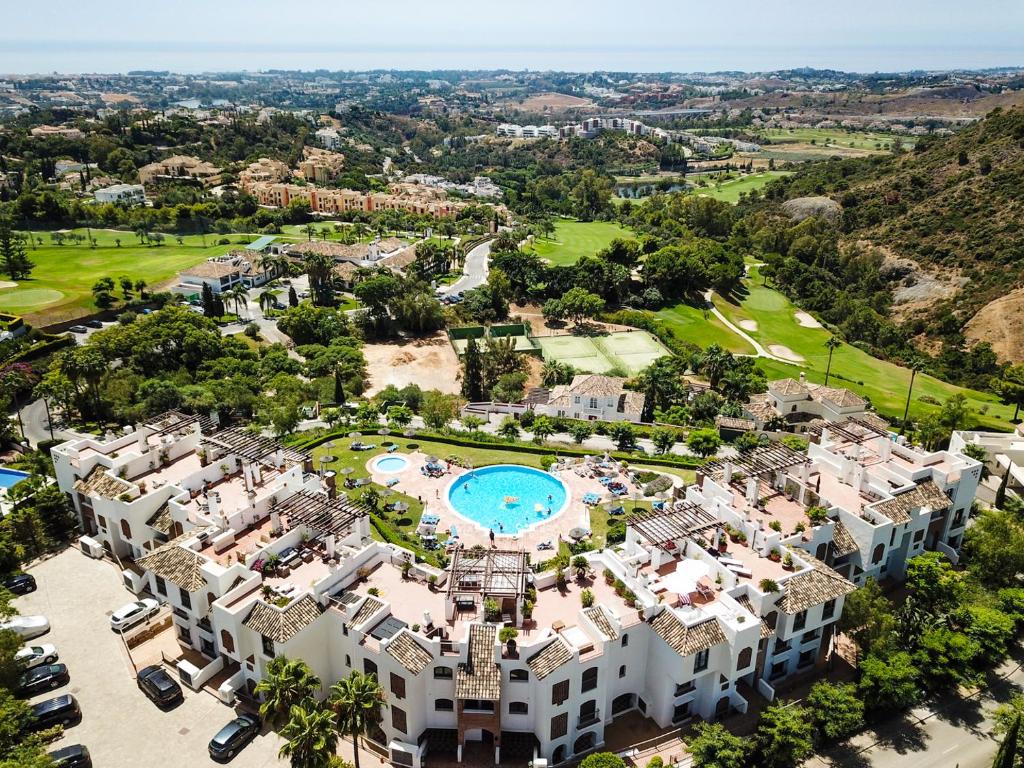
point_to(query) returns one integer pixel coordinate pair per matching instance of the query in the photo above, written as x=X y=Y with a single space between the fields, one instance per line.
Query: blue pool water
x=9 y=477
x=481 y=495
x=390 y=464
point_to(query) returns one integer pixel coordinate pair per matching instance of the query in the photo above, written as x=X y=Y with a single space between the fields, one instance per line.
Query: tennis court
x=627 y=351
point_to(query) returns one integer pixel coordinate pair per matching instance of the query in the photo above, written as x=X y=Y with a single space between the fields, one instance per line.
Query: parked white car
x=127 y=616
x=34 y=655
x=27 y=627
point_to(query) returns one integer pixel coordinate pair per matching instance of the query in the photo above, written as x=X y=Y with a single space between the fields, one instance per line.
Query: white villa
x=726 y=592
x=1004 y=456
x=802 y=404
x=593 y=397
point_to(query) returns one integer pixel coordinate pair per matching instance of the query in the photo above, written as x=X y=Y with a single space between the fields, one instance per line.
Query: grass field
x=573 y=239
x=884 y=383
x=691 y=324
x=864 y=140
x=626 y=351
x=61 y=283
x=729 y=191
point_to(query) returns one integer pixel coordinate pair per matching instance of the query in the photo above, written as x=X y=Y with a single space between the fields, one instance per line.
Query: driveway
x=120 y=726
x=474 y=272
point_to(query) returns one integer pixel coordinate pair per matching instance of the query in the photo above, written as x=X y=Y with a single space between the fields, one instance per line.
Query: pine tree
x=209 y=308
x=339 y=388
x=13 y=257
x=218 y=306
x=1006 y=757
x=293 y=297
x=472 y=373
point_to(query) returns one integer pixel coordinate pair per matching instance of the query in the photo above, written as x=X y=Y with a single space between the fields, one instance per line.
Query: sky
x=651 y=36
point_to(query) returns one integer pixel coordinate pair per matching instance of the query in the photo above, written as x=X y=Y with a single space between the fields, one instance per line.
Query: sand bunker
x=806 y=320
x=748 y=325
x=785 y=353
x=7 y=284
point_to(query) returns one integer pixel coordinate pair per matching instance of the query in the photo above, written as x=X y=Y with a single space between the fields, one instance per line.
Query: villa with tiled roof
x=593 y=397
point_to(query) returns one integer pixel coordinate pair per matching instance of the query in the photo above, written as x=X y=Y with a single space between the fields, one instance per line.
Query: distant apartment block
x=1004 y=458
x=64 y=132
x=180 y=168
x=121 y=194
x=328 y=138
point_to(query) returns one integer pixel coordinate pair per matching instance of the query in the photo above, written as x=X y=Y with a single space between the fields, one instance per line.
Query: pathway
x=474 y=272
x=759 y=351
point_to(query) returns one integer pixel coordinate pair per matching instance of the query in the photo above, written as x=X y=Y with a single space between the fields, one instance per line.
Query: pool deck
x=432 y=491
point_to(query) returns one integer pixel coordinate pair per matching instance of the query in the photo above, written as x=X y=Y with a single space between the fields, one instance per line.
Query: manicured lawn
x=574 y=239
x=729 y=191
x=691 y=324
x=870 y=140
x=884 y=383
x=61 y=283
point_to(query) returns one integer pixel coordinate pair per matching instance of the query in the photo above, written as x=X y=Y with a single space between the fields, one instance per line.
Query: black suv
x=159 y=687
x=62 y=710
x=75 y=756
x=21 y=584
x=233 y=736
x=43 y=678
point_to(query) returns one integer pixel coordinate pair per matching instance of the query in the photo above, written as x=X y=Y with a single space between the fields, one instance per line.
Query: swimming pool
x=507 y=498
x=390 y=465
x=9 y=477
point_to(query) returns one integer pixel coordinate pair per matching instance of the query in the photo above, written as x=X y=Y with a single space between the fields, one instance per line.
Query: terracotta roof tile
x=100 y=484
x=899 y=507
x=480 y=677
x=843 y=541
x=766 y=631
x=369 y=607
x=282 y=624
x=683 y=639
x=600 y=619
x=177 y=564
x=813 y=586
x=549 y=658
x=410 y=654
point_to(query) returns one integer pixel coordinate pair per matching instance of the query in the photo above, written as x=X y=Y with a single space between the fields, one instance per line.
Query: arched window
x=622 y=671
x=126 y=530
x=625 y=640
x=444 y=705
x=876 y=556
x=589 y=682
x=744 y=660
x=227 y=642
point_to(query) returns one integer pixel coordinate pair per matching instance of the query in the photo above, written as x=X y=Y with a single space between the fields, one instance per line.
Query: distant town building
x=328 y=138
x=121 y=194
x=178 y=168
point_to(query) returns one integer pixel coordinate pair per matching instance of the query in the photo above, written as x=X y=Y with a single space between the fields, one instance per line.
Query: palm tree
x=286 y=683
x=356 y=700
x=915 y=366
x=312 y=736
x=832 y=344
x=267 y=300
x=239 y=297
x=318 y=266
x=310 y=230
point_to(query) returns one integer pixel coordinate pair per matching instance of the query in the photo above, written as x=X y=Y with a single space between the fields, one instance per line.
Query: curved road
x=474 y=272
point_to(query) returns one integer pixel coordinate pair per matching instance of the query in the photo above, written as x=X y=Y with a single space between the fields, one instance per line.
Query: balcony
x=682 y=690
x=588 y=719
x=180 y=613
x=205 y=625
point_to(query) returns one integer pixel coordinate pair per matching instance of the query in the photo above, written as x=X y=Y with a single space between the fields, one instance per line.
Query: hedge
x=677 y=462
x=52 y=344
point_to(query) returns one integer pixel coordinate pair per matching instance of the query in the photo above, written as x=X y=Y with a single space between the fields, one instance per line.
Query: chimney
x=727 y=472
x=752 y=491
x=330 y=545
x=331 y=481
x=803 y=377
x=213 y=503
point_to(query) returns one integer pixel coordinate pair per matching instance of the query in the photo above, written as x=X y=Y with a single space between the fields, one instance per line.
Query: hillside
x=945 y=221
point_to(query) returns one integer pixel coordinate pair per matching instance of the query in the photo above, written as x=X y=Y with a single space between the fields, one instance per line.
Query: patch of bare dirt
x=429 y=362
x=1001 y=324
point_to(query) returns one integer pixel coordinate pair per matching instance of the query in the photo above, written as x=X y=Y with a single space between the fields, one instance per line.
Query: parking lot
x=120 y=726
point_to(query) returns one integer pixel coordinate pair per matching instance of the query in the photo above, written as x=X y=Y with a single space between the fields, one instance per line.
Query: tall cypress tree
x=207 y=300
x=1006 y=757
x=13 y=258
x=339 y=388
x=472 y=373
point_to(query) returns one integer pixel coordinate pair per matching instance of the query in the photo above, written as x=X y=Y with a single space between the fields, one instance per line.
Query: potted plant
x=630 y=598
x=432 y=582
x=775 y=556
x=817 y=514
x=586 y=598
x=620 y=587
x=742 y=538
x=224 y=469
x=203 y=458
x=273 y=559
x=734 y=534
x=508 y=636
x=527 y=610
x=373 y=591
x=787 y=561
x=776 y=526
x=363 y=573
x=580 y=566
x=491 y=609
x=768 y=586
x=267 y=591
x=609 y=577
x=406 y=567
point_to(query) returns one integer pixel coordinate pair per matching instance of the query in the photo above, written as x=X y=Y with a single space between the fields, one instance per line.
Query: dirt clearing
x=430 y=363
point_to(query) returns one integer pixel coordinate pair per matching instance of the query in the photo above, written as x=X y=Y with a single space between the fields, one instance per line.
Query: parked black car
x=43 y=678
x=93 y=324
x=158 y=686
x=62 y=710
x=75 y=756
x=21 y=584
x=232 y=737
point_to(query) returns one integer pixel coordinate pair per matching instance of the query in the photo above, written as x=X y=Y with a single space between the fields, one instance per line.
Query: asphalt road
x=474 y=271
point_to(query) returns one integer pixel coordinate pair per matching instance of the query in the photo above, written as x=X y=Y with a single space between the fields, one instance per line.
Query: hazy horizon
x=661 y=36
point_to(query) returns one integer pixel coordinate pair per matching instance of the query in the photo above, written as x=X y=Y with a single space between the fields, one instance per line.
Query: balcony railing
x=205 y=625
x=589 y=718
x=180 y=613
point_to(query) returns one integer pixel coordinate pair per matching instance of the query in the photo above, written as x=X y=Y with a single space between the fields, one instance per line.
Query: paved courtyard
x=119 y=724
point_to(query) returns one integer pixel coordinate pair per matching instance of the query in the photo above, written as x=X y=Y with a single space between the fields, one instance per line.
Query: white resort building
x=726 y=591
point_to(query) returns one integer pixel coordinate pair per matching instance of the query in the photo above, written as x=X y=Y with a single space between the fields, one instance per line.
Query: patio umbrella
x=410 y=432
x=384 y=431
x=662 y=495
x=400 y=506
x=347 y=470
x=431 y=459
x=354 y=435
x=577 y=533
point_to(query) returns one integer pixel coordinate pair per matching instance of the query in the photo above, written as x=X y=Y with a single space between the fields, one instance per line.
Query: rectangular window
x=518 y=708
x=398 y=721
x=161 y=586
x=593 y=402
x=442 y=673
x=829 y=610
x=186 y=598
x=518 y=676
x=700 y=663
x=800 y=621
x=806 y=659
x=560 y=692
x=918 y=536
x=369 y=667
x=680 y=712
x=444 y=705
x=559 y=725
x=268 y=646
x=398 y=685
